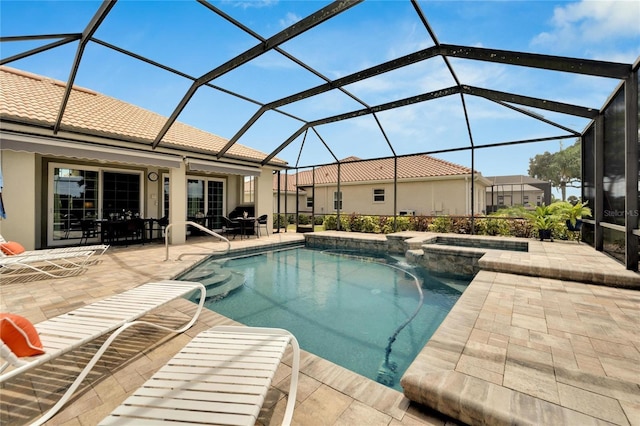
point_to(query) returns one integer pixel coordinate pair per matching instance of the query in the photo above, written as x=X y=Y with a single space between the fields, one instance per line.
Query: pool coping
x=466 y=369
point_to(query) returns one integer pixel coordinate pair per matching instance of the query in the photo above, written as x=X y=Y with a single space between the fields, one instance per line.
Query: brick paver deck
x=515 y=348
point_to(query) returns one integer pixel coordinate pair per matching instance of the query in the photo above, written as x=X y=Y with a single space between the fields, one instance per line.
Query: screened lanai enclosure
x=481 y=86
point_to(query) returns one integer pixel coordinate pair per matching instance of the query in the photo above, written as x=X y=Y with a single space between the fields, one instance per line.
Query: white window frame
x=377 y=193
x=335 y=200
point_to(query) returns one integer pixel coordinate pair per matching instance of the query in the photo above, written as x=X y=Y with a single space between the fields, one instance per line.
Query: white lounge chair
x=99 y=249
x=220 y=377
x=52 y=264
x=69 y=331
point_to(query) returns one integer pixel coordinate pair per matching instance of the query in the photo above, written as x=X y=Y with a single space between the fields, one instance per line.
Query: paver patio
x=538 y=349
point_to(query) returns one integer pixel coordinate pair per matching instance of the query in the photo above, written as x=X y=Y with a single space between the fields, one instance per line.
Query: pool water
x=343 y=308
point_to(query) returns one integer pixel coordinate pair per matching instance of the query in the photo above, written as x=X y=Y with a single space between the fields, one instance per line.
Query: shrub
x=441 y=224
x=385 y=224
x=403 y=223
x=420 y=223
x=492 y=226
x=355 y=222
x=303 y=219
x=283 y=221
x=520 y=228
x=461 y=225
x=330 y=222
x=370 y=224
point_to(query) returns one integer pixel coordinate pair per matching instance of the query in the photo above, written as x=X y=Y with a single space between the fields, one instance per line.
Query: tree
x=561 y=168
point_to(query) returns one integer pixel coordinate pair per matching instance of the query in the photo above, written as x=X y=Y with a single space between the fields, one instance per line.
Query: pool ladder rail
x=201 y=228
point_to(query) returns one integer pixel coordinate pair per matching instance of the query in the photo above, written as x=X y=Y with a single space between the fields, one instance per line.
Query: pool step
x=217 y=280
x=221 y=285
x=202 y=274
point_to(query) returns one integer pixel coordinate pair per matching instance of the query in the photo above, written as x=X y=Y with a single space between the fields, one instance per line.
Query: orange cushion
x=11 y=247
x=20 y=335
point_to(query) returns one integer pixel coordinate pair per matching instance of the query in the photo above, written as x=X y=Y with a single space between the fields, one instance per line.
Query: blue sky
x=188 y=37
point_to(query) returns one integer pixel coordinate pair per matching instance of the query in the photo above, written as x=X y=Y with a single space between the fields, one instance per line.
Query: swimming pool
x=343 y=307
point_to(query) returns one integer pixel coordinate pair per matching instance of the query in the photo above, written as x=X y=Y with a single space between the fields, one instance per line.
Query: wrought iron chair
x=231 y=227
x=262 y=221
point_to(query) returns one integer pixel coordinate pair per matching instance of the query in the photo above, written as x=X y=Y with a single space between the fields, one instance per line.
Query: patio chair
x=231 y=227
x=262 y=221
x=222 y=376
x=56 y=264
x=64 y=333
x=99 y=249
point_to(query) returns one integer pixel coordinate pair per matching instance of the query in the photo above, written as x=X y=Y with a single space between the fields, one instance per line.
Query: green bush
x=355 y=222
x=330 y=222
x=303 y=219
x=385 y=224
x=520 y=228
x=461 y=225
x=370 y=224
x=441 y=224
x=283 y=220
x=492 y=226
x=420 y=223
x=403 y=223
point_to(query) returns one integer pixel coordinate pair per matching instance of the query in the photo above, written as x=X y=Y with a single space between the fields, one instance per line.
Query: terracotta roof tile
x=285 y=182
x=409 y=167
x=33 y=99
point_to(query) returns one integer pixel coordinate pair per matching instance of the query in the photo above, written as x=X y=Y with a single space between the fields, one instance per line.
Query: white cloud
x=589 y=22
x=290 y=19
x=247 y=4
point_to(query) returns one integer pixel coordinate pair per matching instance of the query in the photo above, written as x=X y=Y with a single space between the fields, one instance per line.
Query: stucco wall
x=19 y=175
x=426 y=197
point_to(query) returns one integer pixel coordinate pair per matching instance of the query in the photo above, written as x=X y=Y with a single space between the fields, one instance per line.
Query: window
x=205 y=198
x=75 y=197
x=337 y=200
x=501 y=200
x=309 y=202
x=378 y=195
x=121 y=194
x=209 y=202
x=249 y=195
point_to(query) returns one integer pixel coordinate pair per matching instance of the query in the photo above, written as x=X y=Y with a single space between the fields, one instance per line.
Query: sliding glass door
x=205 y=201
x=73 y=197
x=79 y=196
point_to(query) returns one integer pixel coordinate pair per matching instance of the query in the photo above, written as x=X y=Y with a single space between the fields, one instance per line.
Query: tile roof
x=286 y=183
x=409 y=167
x=35 y=100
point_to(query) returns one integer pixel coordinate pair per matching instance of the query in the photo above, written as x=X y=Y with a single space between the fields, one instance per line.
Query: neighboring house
x=425 y=186
x=517 y=190
x=100 y=164
x=288 y=194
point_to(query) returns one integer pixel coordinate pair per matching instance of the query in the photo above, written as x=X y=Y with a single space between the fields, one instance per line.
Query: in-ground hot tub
x=459 y=255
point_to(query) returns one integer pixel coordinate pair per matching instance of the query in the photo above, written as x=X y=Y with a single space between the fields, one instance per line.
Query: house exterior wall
x=424 y=197
x=514 y=197
x=264 y=197
x=291 y=203
x=27 y=184
x=19 y=197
